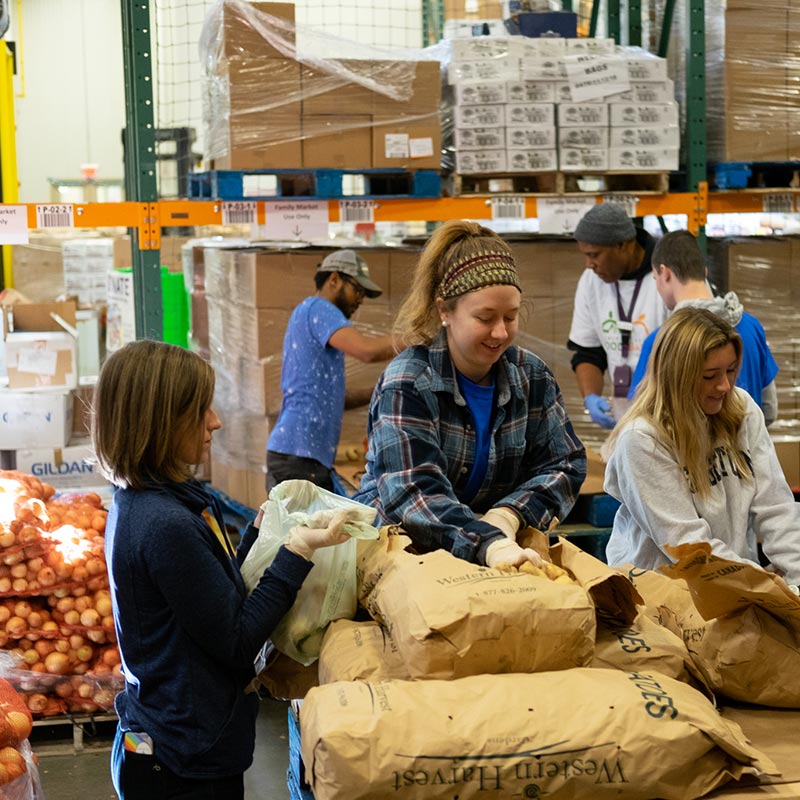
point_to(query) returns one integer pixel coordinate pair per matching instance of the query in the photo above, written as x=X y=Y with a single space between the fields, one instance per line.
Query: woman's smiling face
x=480 y=328
x=717 y=378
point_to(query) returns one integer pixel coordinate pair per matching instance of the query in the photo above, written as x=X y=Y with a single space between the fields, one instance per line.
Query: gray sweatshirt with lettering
x=658 y=507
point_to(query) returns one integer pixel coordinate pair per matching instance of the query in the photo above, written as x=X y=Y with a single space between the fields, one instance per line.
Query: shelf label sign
x=356 y=211
x=13 y=225
x=629 y=202
x=55 y=215
x=296 y=220
x=239 y=212
x=561 y=214
x=508 y=207
x=778 y=203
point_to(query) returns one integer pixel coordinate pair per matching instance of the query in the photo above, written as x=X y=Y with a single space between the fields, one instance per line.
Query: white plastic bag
x=329 y=591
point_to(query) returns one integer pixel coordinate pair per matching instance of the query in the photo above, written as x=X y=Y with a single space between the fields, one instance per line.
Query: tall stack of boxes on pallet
x=526 y=105
x=267 y=106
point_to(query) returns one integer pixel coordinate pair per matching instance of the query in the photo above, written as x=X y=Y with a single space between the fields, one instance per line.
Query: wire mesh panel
x=324 y=30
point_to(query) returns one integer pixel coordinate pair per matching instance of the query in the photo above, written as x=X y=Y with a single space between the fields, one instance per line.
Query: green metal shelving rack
x=140 y=165
x=140 y=150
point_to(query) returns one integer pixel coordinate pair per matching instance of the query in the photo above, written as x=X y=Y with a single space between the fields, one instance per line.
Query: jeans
x=284 y=467
x=140 y=777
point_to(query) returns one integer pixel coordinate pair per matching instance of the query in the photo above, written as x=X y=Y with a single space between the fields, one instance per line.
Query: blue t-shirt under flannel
x=480 y=401
x=312 y=382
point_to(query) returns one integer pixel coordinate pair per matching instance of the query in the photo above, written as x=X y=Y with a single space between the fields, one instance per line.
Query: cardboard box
x=480 y=116
x=479 y=138
x=582 y=158
x=643 y=158
x=527 y=136
x=38 y=316
x=582 y=115
x=653 y=114
x=476 y=161
x=530 y=91
x=255 y=115
x=531 y=160
x=477 y=94
x=41 y=361
x=338 y=141
x=244 y=35
x=35 y=419
x=404 y=145
x=530 y=114
x=65 y=468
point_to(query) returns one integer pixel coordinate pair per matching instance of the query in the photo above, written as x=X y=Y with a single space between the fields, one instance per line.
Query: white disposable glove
x=503 y=518
x=504 y=551
x=304 y=541
x=793 y=589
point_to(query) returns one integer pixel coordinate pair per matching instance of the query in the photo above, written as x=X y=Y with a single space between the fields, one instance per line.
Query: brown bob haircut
x=148 y=395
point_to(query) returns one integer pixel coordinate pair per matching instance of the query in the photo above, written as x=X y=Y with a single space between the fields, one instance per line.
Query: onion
x=21 y=724
x=36 y=702
x=56 y=664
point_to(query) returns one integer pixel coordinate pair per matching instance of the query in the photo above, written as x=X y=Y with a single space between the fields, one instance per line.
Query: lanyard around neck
x=625 y=325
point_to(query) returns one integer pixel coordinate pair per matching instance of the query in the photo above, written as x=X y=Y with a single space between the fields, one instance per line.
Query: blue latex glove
x=599 y=410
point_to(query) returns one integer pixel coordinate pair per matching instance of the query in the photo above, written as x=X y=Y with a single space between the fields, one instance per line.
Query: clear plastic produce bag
x=329 y=591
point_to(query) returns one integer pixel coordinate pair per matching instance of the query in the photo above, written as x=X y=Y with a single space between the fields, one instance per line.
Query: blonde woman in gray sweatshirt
x=692 y=460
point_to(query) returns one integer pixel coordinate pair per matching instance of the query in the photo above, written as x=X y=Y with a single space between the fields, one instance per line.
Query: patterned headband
x=490 y=268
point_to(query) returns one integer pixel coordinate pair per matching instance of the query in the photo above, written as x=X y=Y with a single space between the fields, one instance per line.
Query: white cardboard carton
x=30 y=419
x=65 y=468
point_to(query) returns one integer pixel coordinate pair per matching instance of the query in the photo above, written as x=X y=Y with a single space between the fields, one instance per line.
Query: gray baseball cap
x=348 y=262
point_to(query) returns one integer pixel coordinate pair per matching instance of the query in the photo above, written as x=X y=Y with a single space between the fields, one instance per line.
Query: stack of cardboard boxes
x=516 y=110
x=753 y=79
x=250 y=293
x=763 y=272
x=268 y=107
x=43 y=424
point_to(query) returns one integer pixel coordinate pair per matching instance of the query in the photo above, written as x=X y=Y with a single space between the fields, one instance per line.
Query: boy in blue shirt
x=680 y=274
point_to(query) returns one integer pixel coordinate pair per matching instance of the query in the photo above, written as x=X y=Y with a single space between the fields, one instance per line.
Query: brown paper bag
x=450 y=618
x=286 y=679
x=748 y=645
x=578 y=733
x=362 y=651
x=614 y=596
x=659 y=591
x=645 y=645
x=375 y=556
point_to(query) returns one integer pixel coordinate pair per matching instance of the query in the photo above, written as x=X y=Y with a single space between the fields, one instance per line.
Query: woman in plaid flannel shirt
x=469 y=440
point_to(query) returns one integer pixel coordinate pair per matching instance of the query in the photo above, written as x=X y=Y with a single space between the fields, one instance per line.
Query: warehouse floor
x=67 y=775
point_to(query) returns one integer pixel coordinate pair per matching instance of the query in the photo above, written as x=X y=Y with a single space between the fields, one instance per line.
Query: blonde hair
x=668 y=396
x=148 y=395
x=418 y=319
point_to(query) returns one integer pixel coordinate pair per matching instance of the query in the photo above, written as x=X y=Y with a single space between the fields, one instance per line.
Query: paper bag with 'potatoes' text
x=637 y=736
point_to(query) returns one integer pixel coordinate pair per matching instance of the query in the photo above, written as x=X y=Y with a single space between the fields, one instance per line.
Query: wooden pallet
x=617 y=182
x=558 y=183
x=506 y=183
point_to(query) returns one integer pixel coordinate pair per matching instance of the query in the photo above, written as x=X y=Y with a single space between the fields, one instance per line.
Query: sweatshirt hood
x=727 y=307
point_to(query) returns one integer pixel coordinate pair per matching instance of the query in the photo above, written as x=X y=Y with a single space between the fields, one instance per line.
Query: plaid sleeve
x=411 y=471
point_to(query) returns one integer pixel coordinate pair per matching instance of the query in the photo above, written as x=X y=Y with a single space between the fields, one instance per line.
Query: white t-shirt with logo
x=596 y=316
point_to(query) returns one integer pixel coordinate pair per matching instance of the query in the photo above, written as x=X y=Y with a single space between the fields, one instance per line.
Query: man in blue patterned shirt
x=319 y=335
